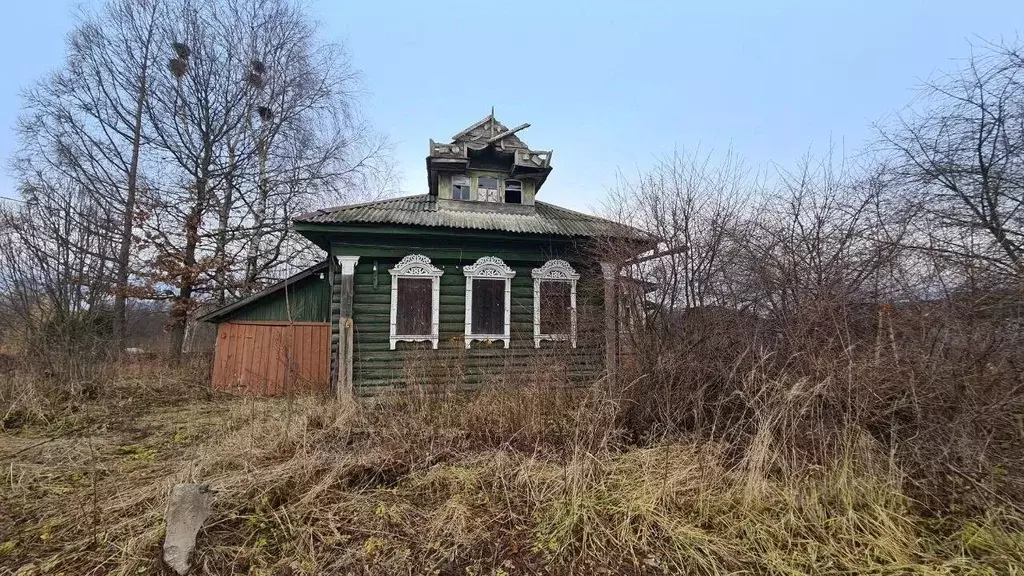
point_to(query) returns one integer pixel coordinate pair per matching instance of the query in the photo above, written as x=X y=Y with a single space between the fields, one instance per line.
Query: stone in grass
x=187 y=509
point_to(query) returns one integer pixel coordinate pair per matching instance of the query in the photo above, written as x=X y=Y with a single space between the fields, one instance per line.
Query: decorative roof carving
x=483 y=132
x=490 y=132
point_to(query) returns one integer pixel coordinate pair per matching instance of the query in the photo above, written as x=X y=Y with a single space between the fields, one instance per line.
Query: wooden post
x=342 y=289
x=611 y=315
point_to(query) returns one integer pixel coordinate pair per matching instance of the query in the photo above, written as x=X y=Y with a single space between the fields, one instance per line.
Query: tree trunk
x=260 y=218
x=128 y=217
x=182 y=304
x=223 y=221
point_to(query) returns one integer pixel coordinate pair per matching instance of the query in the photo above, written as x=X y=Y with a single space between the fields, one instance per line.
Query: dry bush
x=29 y=395
x=940 y=388
x=306 y=487
x=805 y=309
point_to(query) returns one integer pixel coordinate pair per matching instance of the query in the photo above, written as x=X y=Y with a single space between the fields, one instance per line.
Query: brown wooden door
x=273 y=358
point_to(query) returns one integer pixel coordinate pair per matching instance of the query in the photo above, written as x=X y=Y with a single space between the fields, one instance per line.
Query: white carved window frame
x=419 y=267
x=554 y=271
x=489 y=268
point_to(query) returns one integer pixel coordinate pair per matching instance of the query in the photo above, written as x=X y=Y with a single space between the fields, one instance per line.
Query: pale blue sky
x=608 y=85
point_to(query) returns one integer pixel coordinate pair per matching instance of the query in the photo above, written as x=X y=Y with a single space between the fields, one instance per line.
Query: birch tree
x=85 y=123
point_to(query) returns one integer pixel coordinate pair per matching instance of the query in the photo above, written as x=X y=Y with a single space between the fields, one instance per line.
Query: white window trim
x=554 y=271
x=416 y=266
x=490 y=268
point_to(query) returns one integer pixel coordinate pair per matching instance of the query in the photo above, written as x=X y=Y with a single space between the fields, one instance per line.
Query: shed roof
x=218 y=313
x=431 y=211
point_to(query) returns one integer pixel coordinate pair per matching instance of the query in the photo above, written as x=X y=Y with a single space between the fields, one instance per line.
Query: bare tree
x=819 y=235
x=960 y=149
x=85 y=123
x=691 y=204
x=255 y=117
x=56 y=271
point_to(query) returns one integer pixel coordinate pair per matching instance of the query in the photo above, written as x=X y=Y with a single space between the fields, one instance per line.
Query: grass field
x=535 y=481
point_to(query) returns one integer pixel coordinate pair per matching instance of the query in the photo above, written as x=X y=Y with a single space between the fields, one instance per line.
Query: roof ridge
x=575 y=212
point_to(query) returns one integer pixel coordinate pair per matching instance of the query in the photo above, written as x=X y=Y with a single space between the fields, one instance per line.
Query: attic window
x=513 y=192
x=460 y=187
x=415 y=300
x=487 y=189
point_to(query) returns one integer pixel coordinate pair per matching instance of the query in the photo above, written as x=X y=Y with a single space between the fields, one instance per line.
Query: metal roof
x=430 y=211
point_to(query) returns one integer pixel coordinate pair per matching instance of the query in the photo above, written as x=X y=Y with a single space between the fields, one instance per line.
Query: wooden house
x=475 y=279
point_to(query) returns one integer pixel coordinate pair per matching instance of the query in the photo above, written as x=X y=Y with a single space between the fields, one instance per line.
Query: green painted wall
x=377 y=368
x=309 y=300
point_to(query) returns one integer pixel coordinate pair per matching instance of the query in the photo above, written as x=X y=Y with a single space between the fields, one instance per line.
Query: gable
x=303 y=297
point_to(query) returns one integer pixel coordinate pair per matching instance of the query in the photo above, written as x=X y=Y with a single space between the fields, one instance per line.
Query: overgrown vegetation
x=822 y=370
x=518 y=478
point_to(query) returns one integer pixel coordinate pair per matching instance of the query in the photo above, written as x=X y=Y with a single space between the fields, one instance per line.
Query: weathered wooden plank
x=263 y=362
x=233 y=369
x=303 y=350
x=219 y=355
x=272 y=359
x=324 y=337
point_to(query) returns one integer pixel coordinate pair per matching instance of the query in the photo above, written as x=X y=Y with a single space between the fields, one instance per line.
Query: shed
x=277 y=340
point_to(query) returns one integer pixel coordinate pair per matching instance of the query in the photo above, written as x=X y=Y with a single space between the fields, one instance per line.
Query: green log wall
x=377 y=368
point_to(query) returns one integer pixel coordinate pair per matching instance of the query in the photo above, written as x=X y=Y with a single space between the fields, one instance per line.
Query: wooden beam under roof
x=507 y=133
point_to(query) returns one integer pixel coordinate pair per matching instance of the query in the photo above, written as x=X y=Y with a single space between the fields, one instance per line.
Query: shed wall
x=307 y=301
x=272 y=358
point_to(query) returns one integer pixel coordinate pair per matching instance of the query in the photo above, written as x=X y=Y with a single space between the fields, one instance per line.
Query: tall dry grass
x=880 y=443
x=520 y=478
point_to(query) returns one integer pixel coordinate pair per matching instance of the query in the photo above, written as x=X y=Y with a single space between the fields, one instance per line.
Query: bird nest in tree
x=255 y=80
x=182 y=50
x=179 y=67
x=265 y=113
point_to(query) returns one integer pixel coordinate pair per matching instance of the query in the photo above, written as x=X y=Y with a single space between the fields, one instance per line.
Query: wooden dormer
x=487 y=162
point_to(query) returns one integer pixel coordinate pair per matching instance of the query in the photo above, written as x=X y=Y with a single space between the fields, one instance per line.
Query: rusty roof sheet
x=430 y=211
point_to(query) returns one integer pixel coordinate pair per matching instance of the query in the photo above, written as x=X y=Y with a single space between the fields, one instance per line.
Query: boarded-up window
x=413 y=313
x=488 y=306
x=555 y=307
